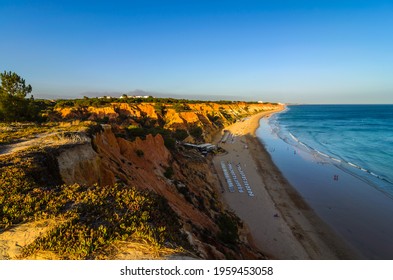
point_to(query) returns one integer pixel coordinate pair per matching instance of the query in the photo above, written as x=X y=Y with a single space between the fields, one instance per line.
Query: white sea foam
x=328 y=132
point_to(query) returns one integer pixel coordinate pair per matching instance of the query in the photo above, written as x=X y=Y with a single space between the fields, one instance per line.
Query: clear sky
x=286 y=51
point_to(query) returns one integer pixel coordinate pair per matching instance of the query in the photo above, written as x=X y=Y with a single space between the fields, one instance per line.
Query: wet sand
x=282 y=225
x=356 y=209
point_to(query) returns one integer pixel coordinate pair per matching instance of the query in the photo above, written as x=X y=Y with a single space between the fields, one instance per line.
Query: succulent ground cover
x=93 y=217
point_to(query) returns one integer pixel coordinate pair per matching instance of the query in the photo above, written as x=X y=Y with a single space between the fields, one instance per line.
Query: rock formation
x=185 y=178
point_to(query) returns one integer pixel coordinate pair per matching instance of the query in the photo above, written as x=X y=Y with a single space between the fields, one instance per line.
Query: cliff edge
x=131 y=155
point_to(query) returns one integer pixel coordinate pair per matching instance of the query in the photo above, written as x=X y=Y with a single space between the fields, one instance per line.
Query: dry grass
x=13 y=132
x=17 y=132
x=138 y=250
x=95 y=216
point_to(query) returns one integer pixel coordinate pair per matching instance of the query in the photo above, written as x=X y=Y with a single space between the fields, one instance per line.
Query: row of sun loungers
x=227 y=178
x=245 y=181
x=231 y=175
x=237 y=183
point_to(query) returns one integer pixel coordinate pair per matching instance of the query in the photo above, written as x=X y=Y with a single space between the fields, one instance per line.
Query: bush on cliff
x=196 y=132
x=180 y=134
x=228 y=229
x=169 y=172
x=181 y=107
x=133 y=131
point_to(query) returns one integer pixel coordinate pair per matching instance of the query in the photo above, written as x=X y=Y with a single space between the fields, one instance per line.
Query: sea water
x=339 y=158
x=358 y=136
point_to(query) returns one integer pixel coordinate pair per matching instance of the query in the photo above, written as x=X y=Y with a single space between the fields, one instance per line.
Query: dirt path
x=25 y=144
x=43 y=139
x=13 y=240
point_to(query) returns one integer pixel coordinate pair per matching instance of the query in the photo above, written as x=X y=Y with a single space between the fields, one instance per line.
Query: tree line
x=17 y=103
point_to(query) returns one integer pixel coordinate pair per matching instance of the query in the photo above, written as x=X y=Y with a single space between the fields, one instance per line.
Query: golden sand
x=280 y=222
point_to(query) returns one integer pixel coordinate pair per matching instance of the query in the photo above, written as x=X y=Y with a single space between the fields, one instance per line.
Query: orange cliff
x=146 y=171
x=183 y=177
x=192 y=192
x=210 y=116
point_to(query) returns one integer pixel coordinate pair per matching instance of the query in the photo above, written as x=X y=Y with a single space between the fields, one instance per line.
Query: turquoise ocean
x=359 y=136
x=339 y=158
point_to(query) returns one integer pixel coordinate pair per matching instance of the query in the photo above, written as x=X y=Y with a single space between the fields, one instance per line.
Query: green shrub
x=226 y=115
x=139 y=153
x=98 y=216
x=133 y=132
x=180 y=134
x=181 y=107
x=169 y=172
x=103 y=120
x=228 y=229
x=160 y=108
x=94 y=216
x=196 y=132
x=215 y=119
x=170 y=143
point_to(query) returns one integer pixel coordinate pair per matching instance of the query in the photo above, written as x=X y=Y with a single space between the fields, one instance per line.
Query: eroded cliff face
x=79 y=164
x=191 y=190
x=210 y=116
x=183 y=177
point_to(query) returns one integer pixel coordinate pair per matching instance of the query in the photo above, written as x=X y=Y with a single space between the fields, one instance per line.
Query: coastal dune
x=282 y=225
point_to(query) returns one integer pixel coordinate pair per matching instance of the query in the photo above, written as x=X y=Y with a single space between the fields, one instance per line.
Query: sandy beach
x=282 y=225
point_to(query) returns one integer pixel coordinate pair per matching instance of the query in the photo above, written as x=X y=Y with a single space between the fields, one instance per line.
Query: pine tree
x=13 y=103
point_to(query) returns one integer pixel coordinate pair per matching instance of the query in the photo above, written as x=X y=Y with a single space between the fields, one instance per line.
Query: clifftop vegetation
x=14 y=102
x=92 y=217
x=112 y=170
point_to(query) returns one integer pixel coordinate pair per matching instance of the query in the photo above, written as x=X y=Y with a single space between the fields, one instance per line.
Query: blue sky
x=286 y=51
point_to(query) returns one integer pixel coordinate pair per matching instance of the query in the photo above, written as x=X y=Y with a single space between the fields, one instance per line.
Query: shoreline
x=352 y=207
x=282 y=225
